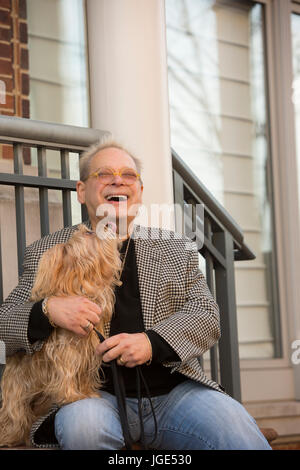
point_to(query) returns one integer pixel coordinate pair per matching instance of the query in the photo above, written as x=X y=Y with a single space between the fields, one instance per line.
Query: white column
x=128 y=84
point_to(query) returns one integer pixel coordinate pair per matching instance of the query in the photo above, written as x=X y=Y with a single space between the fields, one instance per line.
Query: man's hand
x=130 y=349
x=73 y=313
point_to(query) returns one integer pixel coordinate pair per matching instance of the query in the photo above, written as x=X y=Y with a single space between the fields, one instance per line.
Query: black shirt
x=127 y=318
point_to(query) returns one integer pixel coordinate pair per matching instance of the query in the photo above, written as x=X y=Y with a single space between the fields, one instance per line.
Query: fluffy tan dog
x=66 y=368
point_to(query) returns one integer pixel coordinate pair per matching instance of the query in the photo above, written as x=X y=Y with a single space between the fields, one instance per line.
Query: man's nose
x=117 y=180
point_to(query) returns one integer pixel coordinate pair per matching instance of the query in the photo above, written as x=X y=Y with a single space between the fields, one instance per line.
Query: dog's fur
x=66 y=368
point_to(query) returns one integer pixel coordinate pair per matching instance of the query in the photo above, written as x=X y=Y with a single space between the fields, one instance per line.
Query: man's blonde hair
x=106 y=142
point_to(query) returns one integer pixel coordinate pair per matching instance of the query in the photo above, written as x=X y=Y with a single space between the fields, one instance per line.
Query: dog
x=66 y=368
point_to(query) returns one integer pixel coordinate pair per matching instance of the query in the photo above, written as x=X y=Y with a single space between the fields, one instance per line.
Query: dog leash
x=140 y=378
x=120 y=393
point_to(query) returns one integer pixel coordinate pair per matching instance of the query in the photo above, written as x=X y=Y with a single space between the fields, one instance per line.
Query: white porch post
x=128 y=84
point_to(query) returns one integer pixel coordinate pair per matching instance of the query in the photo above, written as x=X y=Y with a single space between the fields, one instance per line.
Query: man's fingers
x=111 y=342
x=94 y=307
x=113 y=353
x=91 y=316
x=74 y=313
x=129 y=349
x=112 y=347
x=110 y=356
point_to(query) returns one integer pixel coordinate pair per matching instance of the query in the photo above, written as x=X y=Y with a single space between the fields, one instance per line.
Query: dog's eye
x=90 y=233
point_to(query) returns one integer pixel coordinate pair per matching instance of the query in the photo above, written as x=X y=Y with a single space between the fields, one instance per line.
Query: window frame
x=284 y=178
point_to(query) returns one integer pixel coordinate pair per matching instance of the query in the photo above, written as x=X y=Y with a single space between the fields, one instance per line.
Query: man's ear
x=80 y=188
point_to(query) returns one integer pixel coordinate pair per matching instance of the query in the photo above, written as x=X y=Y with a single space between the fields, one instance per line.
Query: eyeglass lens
x=107 y=176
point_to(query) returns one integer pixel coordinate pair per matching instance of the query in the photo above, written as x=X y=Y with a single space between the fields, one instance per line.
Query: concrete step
x=283 y=416
x=287 y=443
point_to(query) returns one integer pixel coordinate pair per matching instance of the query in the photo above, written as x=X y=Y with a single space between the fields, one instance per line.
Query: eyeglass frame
x=115 y=173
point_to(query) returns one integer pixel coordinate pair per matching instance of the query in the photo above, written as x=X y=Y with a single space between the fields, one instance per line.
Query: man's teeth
x=117 y=197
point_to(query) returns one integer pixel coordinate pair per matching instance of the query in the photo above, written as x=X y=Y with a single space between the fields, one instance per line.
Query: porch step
x=287 y=443
x=284 y=416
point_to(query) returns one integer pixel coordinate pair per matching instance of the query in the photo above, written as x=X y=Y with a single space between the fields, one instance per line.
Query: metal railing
x=223 y=239
x=223 y=244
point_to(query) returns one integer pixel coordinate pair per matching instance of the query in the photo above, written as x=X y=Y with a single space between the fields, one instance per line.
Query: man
x=165 y=318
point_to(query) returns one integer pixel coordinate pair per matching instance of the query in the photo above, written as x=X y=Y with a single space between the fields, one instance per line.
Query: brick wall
x=14 y=65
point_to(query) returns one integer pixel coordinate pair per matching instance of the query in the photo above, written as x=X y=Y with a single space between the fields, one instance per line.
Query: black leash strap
x=139 y=378
x=121 y=397
x=120 y=393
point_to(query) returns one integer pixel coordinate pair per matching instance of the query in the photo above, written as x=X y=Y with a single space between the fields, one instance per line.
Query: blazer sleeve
x=39 y=327
x=15 y=312
x=195 y=327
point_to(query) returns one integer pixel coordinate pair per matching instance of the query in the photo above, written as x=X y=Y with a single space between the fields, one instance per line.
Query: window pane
x=296 y=85
x=219 y=127
x=58 y=78
x=58 y=61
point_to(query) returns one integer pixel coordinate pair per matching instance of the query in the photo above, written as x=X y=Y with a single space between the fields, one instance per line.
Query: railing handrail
x=207 y=198
x=48 y=132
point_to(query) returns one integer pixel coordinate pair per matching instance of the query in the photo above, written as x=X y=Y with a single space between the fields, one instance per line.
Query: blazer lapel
x=148 y=260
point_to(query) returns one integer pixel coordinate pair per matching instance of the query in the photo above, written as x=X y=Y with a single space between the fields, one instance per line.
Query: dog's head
x=84 y=265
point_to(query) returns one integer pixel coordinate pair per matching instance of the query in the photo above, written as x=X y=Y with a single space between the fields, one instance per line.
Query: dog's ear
x=48 y=273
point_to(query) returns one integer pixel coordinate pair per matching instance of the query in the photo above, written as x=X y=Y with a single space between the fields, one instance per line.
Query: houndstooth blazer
x=175 y=299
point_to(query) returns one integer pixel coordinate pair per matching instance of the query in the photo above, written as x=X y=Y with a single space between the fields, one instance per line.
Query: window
x=58 y=61
x=219 y=122
x=59 y=92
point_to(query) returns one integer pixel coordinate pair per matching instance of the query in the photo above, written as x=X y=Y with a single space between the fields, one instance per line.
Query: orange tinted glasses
x=107 y=175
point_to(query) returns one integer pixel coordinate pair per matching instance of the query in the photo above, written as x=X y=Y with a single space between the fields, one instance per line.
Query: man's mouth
x=116 y=198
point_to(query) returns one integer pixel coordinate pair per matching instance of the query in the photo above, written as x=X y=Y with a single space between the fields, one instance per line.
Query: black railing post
x=2 y=360
x=43 y=192
x=209 y=263
x=20 y=207
x=179 y=201
x=225 y=297
x=65 y=174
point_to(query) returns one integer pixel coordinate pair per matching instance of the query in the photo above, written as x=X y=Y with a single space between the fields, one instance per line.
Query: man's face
x=94 y=193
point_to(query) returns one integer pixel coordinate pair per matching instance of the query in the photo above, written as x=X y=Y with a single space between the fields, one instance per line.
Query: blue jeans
x=191 y=416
